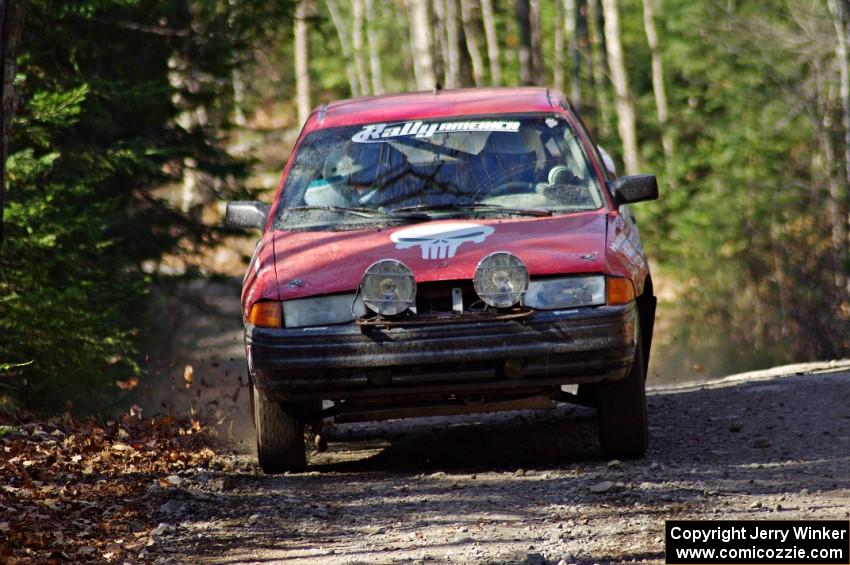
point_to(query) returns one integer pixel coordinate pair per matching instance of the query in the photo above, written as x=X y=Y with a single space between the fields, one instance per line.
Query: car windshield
x=359 y=176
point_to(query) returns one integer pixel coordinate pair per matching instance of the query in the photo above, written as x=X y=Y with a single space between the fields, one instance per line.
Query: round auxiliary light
x=501 y=279
x=388 y=287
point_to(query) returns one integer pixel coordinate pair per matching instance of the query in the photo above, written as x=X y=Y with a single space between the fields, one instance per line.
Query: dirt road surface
x=520 y=487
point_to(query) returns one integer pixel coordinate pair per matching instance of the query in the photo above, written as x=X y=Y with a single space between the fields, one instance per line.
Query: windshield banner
x=376 y=133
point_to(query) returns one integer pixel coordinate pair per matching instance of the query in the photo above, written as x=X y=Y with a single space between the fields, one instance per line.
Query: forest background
x=127 y=122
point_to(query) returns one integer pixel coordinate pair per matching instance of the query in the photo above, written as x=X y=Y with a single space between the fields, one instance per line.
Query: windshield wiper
x=475 y=207
x=362 y=212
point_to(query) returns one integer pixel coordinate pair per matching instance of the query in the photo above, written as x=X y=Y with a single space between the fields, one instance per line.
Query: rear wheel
x=280 y=434
x=621 y=411
x=586 y=394
x=314 y=426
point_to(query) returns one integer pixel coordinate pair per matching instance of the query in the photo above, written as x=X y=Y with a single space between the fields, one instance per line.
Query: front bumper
x=545 y=349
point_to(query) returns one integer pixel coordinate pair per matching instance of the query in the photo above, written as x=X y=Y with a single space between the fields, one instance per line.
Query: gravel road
x=527 y=487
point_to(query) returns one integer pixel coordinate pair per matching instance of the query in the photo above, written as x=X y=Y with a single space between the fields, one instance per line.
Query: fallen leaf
x=129 y=384
x=188 y=375
x=52 y=503
x=47 y=470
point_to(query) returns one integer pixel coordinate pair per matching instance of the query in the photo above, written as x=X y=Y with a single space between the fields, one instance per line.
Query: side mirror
x=635 y=188
x=246 y=214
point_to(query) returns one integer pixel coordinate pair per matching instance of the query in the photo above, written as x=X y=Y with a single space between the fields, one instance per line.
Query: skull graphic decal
x=440 y=241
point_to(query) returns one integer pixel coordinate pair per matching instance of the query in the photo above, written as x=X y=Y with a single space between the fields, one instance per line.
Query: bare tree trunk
x=626 y=121
x=339 y=24
x=597 y=71
x=839 y=232
x=374 y=54
x=492 y=42
x=420 y=38
x=452 y=44
x=836 y=215
x=237 y=82
x=182 y=76
x=183 y=79
x=302 y=58
x=659 y=89
x=587 y=46
x=780 y=271
x=238 y=97
x=440 y=50
x=11 y=26
x=558 y=55
x=571 y=25
x=841 y=18
x=357 y=45
x=536 y=42
x=468 y=9
x=523 y=18
x=839 y=11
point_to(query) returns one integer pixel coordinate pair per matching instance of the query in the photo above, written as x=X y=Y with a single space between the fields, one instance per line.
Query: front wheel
x=621 y=412
x=280 y=435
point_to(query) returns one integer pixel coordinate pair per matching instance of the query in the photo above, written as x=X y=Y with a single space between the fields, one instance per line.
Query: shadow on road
x=451 y=487
x=490 y=441
x=757 y=424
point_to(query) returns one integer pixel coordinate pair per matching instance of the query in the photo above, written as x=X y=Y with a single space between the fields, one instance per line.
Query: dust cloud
x=196 y=364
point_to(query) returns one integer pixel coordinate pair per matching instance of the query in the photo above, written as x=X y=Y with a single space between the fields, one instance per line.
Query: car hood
x=310 y=263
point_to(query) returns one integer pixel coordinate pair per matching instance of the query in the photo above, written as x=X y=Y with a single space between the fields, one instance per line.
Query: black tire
x=314 y=427
x=280 y=435
x=621 y=412
x=587 y=394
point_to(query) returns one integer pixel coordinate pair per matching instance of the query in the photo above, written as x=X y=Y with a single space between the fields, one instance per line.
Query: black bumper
x=345 y=361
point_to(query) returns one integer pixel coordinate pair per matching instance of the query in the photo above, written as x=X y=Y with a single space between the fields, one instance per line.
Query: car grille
x=436 y=297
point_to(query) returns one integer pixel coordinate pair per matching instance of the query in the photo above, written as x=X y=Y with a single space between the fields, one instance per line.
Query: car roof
x=434 y=104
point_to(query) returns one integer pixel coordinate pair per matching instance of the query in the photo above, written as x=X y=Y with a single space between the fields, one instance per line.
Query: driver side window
x=577 y=164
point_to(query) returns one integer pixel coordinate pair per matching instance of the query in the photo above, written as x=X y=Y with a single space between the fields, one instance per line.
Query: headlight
x=322 y=310
x=566 y=292
x=388 y=287
x=501 y=279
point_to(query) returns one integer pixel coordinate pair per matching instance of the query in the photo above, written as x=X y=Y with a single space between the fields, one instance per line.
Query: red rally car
x=441 y=253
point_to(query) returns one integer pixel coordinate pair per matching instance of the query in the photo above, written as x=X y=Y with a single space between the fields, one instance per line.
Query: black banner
x=697 y=542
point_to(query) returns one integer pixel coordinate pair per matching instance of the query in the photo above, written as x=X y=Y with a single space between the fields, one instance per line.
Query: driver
x=514 y=157
x=565 y=188
x=339 y=185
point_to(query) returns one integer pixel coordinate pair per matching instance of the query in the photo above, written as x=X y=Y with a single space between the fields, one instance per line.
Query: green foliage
x=96 y=132
x=743 y=237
